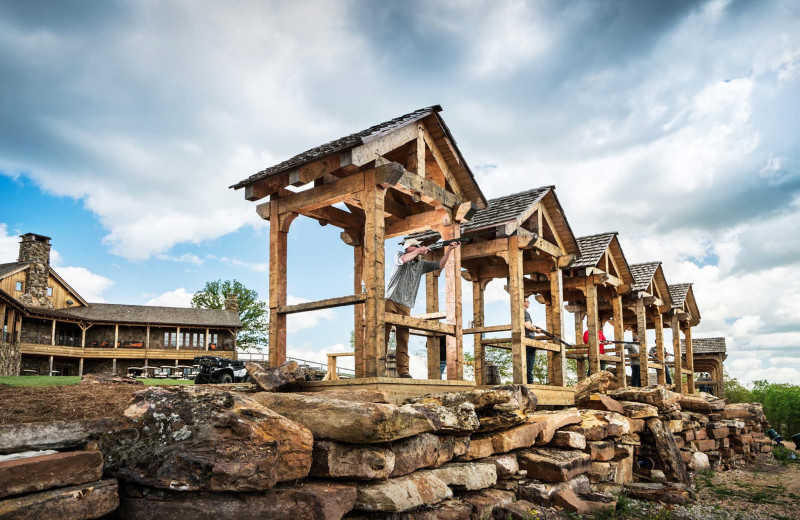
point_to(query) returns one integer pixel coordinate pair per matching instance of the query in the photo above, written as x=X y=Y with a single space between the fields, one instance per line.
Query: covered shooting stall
x=709 y=355
x=683 y=316
x=402 y=176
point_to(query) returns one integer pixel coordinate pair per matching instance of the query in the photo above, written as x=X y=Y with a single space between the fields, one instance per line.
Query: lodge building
x=48 y=328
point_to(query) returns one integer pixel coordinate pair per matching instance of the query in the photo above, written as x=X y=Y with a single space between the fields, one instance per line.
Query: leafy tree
x=252 y=311
x=735 y=391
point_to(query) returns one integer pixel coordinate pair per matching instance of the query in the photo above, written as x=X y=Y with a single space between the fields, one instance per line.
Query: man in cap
x=401 y=291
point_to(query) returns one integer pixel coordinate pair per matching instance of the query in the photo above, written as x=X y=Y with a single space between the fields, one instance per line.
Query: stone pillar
x=231 y=303
x=35 y=249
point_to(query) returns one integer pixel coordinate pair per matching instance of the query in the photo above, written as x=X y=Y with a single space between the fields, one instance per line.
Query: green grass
x=72 y=380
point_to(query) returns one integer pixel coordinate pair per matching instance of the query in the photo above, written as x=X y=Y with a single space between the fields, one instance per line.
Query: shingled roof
x=11 y=268
x=706 y=345
x=144 y=315
x=592 y=249
x=643 y=274
x=678 y=293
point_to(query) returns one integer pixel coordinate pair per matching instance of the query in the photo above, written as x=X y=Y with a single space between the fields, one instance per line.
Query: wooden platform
x=401 y=389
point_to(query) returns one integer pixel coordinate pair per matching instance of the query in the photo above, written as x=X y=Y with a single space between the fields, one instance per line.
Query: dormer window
x=49 y=291
x=19 y=286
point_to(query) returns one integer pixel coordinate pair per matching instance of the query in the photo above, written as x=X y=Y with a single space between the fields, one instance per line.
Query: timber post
x=676 y=350
x=619 y=335
x=452 y=272
x=580 y=363
x=375 y=304
x=689 y=358
x=658 y=320
x=517 y=294
x=478 y=309
x=278 y=241
x=432 y=342
x=641 y=330
x=359 y=287
x=592 y=325
x=558 y=359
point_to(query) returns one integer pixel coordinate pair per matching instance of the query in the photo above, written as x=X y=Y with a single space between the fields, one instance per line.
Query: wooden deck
x=401 y=389
x=117 y=353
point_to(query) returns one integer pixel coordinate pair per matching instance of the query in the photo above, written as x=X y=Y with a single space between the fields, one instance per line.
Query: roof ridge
x=646 y=263
x=598 y=235
x=550 y=187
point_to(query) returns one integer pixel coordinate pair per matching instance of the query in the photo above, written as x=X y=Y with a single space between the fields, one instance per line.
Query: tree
x=252 y=311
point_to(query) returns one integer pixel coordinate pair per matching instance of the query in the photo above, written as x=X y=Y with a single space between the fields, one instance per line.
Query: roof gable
x=651 y=274
x=593 y=248
x=683 y=299
x=12 y=268
x=706 y=345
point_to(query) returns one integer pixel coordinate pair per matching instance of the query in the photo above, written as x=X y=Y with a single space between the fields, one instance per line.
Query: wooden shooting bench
x=600 y=274
x=399 y=177
x=528 y=234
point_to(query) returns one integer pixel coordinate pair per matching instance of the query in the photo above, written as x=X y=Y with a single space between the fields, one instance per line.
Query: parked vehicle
x=215 y=369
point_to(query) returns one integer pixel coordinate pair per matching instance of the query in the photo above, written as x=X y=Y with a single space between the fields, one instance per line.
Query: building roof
x=678 y=293
x=510 y=209
x=144 y=315
x=706 y=345
x=592 y=249
x=11 y=268
x=643 y=275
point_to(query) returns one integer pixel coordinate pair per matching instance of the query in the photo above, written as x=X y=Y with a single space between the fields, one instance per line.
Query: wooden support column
x=80 y=367
x=641 y=329
x=579 y=363
x=558 y=360
x=478 y=288
x=52 y=333
x=452 y=276
x=83 y=339
x=18 y=328
x=619 y=335
x=3 y=308
x=114 y=365
x=208 y=338
x=592 y=325
x=432 y=343
x=358 y=310
x=374 y=305
x=676 y=350
x=517 y=294
x=50 y=373
x=689 y=358
x=116 y=335
x=658 y=320
x=178 y=339
x=147 y=338
x=278 y=241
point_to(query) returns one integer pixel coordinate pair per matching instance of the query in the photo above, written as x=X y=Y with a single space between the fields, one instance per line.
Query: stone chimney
x=35 y=249
x=231 y=303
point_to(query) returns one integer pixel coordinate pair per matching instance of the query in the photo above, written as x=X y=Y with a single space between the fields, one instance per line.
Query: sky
x=673 y=123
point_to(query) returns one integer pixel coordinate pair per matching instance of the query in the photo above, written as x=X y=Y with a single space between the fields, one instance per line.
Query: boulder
x=583 y=504
x=553 y=465
x=600 y=450
x=695 y=403
x=501 y=398
x=600 y=402
x=413 y=453
x=335 y=460
x=486 y=501
x=542 y=493
x=312 y=500
x=91 y=500
x=634 y=410
x=598 y=383
x=274 y=379
x=655 y=492
x=665 y=400
x=450 y=419
x=38 y=473
x=479 y=448
x=571 y=440
x=402 y=493
x=451 y=509
x=54 y=434
x=469 y=476
x=347 y=421
x=752 y=411
x=202 y=438
x=518 y=510
x=108 y=378
x=717 y=430
x=597 y=425
x=611 y=471
x=518 y=437
x=668 y=453
x=506 y=465
x=360 y=395
x=553 y=421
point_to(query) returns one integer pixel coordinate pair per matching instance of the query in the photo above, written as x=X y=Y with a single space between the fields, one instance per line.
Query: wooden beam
x=659 y=327
x=418 y=222
x=382 y=144
x=359 y=287
x=278 y=241
x=266 y=187
x=592 y=325
x=329 y=303
x=452 y=276
x=415 y=185
x=432 y=307
x=559 y=358
x=483 y=249
x=319 y=196
x=676 y=351
x=334 y=216
x=689 y=356
x=619 y=335
x=517 y=294
x=641 y=330
x=478 y=313
x=315 y=170
x=490 y=328
x=440 y=161
x=546 y=214
x=547 y=247
x=426 y=325
x=375 y=308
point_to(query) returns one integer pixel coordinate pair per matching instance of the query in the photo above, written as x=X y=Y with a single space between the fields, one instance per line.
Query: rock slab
x=49 y=471
x=553 y=465
x=334 y=460
x=287 y=376
x=91 y=500
x=402 y=493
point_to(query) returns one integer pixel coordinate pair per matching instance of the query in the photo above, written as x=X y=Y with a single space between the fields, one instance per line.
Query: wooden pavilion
x=709 y=355
x=683 y=316
x=526 y=239
x=594 y=287
x=402 y=176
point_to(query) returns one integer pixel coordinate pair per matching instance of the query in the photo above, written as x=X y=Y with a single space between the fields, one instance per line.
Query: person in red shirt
x=601 y=339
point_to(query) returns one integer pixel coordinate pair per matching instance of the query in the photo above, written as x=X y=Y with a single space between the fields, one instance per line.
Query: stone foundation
x=10 y=359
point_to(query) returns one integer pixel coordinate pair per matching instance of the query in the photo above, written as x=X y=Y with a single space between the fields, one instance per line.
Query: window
x=19 y=286
x=170 y=339
x=49 y=291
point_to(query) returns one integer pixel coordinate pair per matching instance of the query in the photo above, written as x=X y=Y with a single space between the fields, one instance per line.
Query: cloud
x=176 y=298
x=305 y=320
x=9 y=245
x=184 y=258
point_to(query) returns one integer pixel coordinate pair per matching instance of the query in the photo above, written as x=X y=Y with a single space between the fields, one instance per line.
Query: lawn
x=72 y=380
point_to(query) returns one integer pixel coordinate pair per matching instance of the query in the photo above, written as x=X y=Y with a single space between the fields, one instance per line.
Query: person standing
x=401 y=291
x=601 y=341
x=653 y=354
x=530 y=352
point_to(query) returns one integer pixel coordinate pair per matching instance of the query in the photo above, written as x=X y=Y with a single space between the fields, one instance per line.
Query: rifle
x=463 y=240
x=621 y=342
x=554 y=337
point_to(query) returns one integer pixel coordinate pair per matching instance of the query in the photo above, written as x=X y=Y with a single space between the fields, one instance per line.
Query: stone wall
x=36 y=331
x=10 y=359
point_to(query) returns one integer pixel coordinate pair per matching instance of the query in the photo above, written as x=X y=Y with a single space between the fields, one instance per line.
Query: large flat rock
x=49 y=471
x=665 y=400
x=469 y=476
x=273 y=379
x=504 y=397
x=460 y=419
x=486 y=501
x=347 y=421
x=203 y=438
x=553 y=421
x=402 y=493
x=307 y=500
x=53 y=434
x=597 y=425
x=413 y=453
x=552 y=465
x=91 y=500
x=523 y=436
x=347 y=461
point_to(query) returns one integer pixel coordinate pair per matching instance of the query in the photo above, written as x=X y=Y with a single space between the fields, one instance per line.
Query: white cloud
x=89 y=285
x=9 y=245
x=176 y=298
x=305 y=320
x=185 y=258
